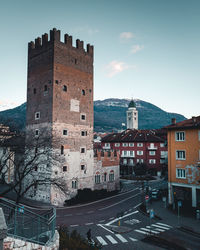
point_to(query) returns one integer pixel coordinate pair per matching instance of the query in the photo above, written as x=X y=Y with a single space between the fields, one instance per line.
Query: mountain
x=109 y=115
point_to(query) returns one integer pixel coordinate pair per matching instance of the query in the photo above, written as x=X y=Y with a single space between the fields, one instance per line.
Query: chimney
x=194 y=119
x=173 y=121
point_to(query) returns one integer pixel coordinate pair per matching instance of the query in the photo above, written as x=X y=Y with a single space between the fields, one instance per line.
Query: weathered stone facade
x=60 y=109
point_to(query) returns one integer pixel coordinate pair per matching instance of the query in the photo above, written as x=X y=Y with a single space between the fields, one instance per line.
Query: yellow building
x=184 y=162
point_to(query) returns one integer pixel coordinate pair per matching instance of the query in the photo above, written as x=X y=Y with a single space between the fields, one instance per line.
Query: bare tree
x=25 y=162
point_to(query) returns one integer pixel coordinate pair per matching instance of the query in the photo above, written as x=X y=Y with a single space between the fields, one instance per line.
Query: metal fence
x=23 y=223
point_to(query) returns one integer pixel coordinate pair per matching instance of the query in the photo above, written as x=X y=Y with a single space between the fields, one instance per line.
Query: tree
x=28 y=159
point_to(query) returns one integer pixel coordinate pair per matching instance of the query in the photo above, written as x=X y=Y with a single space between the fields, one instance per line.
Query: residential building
x=138 y=146
x=184 y=162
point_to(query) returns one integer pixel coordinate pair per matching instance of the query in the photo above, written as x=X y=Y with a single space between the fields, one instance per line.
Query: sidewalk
x=170 y=217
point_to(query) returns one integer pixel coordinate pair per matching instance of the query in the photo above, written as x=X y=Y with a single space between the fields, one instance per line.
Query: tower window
x=82 y=167
x=45 y=88
x=56 y=81
x=65 y=88
x=36 y=168
x=83 y=133
x=90 y=90
x=37 y=115
x=76 y=61
x=74 y=184
x=82 y=150
x=62 y=149
x=83 y=92
x=36 y=132
x=65 y=132
x=49 y=81
x=83 y=117
x=34 y=91
x=64 y=168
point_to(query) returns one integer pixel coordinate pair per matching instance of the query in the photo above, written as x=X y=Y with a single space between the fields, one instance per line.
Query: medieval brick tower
x=60 y=106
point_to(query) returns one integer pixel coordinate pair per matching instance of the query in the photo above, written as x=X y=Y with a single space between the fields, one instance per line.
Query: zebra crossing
x=114 y=239
x=155 y=228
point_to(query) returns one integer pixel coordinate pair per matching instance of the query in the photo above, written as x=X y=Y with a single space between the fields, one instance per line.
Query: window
x=124 y=153
x=34 y=91
x=56 y=81
x=152 y=161
x=65 y=88
x=163 y=153
x=37 y=115
x=83 y=92
x=65 y=132
x=83 y=117
x=105 y=177
x=62 y=149
x=140 y=160
x=117 y=144
x=74 y=184
x=131 y=144
x=64 y=168
x=45 y=88
x=180 y=173
x=36 y=150
x=124 y=161
x=180 y=155
x=140 y=144
x=97 y=178
x=36 y=132
x=76 y=61
x=56 y=172
x=82 y=167
x=131 y=162
x=162 y=145
x=162 y=161
x=132 y=153
x=152 y=153
x=107 y=145
x=139 y=152
x=36 y=168
x=180 y=136
x=83 y=133
x=124 y=144
x=111 y=176
x=82 y=150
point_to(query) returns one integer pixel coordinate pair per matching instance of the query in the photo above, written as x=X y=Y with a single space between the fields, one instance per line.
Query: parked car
x=155 y=194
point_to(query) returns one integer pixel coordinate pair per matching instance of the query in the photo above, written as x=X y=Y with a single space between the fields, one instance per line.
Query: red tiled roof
x=194 y=122
x=134 y=135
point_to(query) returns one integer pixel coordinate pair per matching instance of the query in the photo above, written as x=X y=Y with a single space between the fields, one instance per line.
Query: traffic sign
x=146 y=197
x=151 y=214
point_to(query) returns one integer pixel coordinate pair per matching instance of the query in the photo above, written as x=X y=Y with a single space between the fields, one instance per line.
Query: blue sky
x=144 y=49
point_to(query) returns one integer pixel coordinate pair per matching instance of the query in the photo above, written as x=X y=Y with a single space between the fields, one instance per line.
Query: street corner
x=119 y=229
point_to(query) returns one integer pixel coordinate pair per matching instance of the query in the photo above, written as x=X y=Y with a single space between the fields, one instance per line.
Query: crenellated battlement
x=55 y=37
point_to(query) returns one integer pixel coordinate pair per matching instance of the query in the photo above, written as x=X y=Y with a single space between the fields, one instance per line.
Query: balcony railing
x=152 y=148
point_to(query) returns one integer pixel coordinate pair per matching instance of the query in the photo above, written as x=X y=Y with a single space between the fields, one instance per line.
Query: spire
x=132 y=104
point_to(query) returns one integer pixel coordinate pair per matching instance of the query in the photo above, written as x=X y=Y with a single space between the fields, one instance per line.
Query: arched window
x=74 y=184
x=105 y=177
x=97 y=178
x=111 y=175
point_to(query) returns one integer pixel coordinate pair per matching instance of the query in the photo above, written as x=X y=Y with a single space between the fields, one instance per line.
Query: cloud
x=126 y=35
x=136 y=48
x=6 y=104
x=116 y=67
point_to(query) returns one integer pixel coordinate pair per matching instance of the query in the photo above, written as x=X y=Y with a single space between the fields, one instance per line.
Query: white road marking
x=89 y=223
x=117 y=203
x=111 y=239
x=112 y=221
x=89 y=212
x=101 y=240
x=67 y=215
x=133 y=239
x=162 y=224
x=138 y=205
x=73 y=225
x=120 y=237
x=79 y=214
x=148 y=230
x=111 y=218
x=155 y=225
x=158 y=229
x=132 y=222
x=105 y=228
x=142 y=232
x=101 y=220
